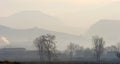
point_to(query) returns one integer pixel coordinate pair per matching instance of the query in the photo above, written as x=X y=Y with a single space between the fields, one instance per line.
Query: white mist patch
x=5 y=40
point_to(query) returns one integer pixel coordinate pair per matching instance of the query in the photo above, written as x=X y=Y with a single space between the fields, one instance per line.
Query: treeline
x=46 y=45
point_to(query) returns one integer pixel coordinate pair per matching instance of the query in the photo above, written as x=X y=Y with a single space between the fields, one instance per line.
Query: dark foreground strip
x=70 y=62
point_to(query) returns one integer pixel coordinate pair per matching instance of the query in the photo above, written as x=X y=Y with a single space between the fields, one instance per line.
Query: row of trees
x=46 y=45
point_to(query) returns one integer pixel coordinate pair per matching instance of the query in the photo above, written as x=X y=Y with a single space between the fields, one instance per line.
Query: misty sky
x=74 y=13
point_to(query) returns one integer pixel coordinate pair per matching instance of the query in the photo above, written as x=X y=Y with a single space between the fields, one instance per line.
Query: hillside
x=108 y=29
x=24 y=37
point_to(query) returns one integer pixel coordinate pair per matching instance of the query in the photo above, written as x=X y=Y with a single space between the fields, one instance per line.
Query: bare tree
x=46 y=45
x=98 y=43
x=40 y=44
x=72 y=48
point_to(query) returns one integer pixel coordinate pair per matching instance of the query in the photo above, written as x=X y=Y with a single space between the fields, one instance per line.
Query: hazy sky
x=75 y=13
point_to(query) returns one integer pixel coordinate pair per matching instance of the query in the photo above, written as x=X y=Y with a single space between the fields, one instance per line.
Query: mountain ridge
x=20 y=37
x=108 y=29
x=30 y=19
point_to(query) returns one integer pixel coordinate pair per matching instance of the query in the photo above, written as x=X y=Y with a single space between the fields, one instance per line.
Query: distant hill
x=25 y=18
x=24 y=37
x=30 y=19
x=108 y=29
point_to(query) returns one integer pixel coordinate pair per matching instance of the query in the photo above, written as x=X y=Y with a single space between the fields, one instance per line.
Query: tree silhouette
x=46 y=45
x=72 y=48
x=98 y=43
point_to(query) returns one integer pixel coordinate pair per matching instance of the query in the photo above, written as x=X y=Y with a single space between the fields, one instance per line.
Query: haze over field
x=108 y=29
x=70 y=20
